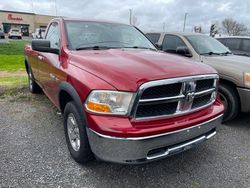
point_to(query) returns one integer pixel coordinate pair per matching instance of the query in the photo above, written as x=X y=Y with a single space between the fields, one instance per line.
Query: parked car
x=122 y=99
x=15 y=33
x=39 y=33
x=234 y=70
x=238 y=45
x=2 y=34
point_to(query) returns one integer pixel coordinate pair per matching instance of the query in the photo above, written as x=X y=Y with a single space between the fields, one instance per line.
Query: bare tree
x=232 y=27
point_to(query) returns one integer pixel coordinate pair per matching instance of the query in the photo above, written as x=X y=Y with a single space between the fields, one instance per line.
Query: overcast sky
x=148 y=15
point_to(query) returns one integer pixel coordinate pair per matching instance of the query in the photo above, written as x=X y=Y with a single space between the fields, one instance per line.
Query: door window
x=53 y=35
x=223 y=41
x=171 y=43
x=246 y=45
x=153 y=37
x=233 y=44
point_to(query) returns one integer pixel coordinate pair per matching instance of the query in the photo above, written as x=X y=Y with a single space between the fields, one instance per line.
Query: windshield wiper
x=141 y=47
x=227 y=52
x=216 y=53
x=93 y=48
x=210 y=53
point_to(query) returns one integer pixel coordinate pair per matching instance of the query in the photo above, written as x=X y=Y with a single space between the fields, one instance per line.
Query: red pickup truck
x=122 y=100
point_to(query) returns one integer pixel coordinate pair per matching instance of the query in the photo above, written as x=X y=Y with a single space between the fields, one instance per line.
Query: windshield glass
x=83 y=34
x=206 y=45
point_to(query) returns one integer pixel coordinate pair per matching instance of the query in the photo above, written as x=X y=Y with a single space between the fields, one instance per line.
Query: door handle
x=40 y=57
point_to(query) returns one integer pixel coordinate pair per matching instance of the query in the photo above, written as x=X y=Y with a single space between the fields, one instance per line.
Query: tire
x=230 y=98
x=77 y=141
x=33 y=86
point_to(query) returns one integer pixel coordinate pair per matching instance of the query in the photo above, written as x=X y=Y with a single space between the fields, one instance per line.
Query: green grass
x=11 y=62
x=14 y=81
x=13 y=48
x=12 y=56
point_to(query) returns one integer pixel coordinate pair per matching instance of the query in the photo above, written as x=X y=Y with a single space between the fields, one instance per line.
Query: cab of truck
x=234 y=70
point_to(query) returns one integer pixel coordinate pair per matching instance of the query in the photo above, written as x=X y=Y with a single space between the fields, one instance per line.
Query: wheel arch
x=68 y=93
x=27 y=65
x=234 y=87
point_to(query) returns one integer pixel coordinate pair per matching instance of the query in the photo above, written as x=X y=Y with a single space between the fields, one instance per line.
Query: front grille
x=201 y=101
x=156 y=109
x=162 y=91
x=170 y=97
x=204 y=84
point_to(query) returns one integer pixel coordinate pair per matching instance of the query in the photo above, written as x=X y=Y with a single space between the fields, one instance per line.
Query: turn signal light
x=98 y=107
x=247 y=77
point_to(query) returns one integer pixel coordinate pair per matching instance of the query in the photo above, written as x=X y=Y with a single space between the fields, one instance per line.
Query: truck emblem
x=190 y=96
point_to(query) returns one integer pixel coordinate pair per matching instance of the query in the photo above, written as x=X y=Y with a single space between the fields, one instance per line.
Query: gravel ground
x=33 y=153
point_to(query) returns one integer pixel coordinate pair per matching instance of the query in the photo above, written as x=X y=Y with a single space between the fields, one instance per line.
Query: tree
x=232 y=27
x=213 y=30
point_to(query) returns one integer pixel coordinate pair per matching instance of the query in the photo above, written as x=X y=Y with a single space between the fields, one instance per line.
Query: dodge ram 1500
x=122 y=100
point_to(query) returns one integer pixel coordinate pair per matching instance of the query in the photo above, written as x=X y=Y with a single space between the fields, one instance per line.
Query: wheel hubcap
x=73 y=132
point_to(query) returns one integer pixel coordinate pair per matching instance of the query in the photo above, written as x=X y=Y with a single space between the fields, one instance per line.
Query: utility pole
x=185 y=18
x=32 y=6
x=164 y=24
x=130 y=16
x=56 y=7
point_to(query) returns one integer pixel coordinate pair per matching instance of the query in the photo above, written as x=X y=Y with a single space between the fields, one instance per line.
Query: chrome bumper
x=146 y=149
x=245 y=99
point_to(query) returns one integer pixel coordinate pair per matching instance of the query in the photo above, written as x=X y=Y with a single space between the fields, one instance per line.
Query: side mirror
x=184 y=51
x=43 y=46
x=158 y=46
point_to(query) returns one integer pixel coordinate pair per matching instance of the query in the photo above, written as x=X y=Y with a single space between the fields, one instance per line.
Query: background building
x=26 y=22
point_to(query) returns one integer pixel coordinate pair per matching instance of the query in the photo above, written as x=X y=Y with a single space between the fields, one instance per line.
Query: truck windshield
x=98 y=35
x=205 y=45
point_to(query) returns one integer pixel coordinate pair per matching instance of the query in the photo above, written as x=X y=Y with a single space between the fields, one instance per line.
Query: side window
x=245 y=45
x=53 y=35
x=233 y=44
x=153 y=37
x=223 y=41
x=171 y=42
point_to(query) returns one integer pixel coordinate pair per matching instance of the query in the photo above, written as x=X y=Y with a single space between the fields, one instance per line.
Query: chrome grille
x=176 y=96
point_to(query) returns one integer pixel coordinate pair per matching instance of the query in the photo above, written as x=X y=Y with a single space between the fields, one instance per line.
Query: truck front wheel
x=75 y=133
x=229 y=97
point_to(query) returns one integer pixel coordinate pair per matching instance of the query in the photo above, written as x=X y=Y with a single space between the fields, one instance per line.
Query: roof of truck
x=176 y=33
x=92 y=20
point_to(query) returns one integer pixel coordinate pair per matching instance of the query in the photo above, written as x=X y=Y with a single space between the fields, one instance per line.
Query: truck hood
x=230 y=67
x=127 y=69
x=231 y=61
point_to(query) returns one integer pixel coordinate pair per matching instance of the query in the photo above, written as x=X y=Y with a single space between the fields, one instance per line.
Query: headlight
x=247 y=79
x=109 y=102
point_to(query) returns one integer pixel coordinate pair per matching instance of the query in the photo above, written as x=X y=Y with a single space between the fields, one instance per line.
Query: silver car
x=234 y=70
x=238 y=45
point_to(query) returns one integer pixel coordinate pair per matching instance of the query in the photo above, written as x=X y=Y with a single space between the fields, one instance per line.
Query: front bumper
x=245 y=99
x=145 y=149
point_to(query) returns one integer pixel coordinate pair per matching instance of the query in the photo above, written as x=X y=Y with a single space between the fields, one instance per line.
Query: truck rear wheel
x=33 y=86
x=76 y=135
x=229 y=97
